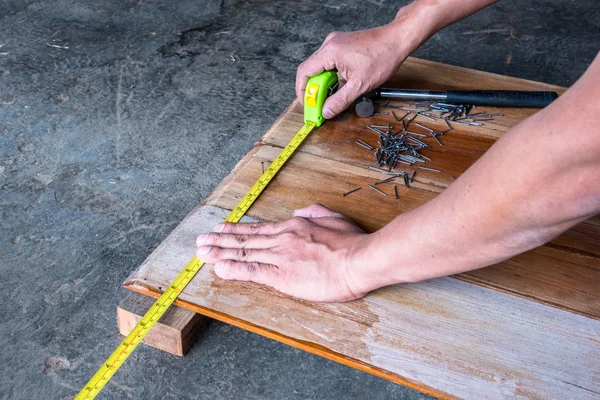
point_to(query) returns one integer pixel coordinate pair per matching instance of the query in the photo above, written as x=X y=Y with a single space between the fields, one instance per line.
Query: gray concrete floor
x=105 y=146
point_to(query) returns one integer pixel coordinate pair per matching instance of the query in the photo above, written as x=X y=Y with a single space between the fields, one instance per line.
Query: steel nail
x=377 y=190
x=350 y=191
x=430 y=169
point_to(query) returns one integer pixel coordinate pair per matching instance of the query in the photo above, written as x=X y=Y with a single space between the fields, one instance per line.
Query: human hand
x=310 y=256
x=364 y=59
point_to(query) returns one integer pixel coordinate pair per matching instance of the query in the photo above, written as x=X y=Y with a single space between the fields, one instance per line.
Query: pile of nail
x=457 y=113
x=404 y=145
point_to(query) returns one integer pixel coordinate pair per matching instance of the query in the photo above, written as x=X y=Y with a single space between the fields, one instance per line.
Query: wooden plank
x=444 y=336
x=175 y=332
x=563 y=277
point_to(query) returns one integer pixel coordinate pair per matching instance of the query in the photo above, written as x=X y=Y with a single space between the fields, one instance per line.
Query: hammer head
x=364 y=107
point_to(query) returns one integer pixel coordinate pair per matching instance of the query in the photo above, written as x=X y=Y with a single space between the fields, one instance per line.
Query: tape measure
x=317 y=89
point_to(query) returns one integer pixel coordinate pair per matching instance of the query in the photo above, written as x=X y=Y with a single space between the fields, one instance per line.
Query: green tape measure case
x=318 y=88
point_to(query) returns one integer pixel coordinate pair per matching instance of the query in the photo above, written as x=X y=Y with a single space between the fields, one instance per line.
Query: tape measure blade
x=125 y=348
x=137 y=334
x=244 y=205
x=129 y=344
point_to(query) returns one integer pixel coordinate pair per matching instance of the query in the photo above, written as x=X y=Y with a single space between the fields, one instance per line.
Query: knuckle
x=213 y=237
x=255 y=226
x=288 y=236
x=241 y=239
x=340 y=101
x=242 y=254
x=317 y=207
x=303 y=65
x=252 y=268
x=216 y=253
x=297 y=222
x=228 y=264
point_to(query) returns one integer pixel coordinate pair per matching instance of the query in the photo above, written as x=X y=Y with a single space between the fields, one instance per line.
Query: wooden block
x=175 y=332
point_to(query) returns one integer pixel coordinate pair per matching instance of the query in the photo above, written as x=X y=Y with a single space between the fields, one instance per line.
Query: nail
x=327 y=113
x=219 y=227
x=219 y=267
x=201 y=239
x=350 y=191
x=430 y=169
x=203 y=250
x=377 y=190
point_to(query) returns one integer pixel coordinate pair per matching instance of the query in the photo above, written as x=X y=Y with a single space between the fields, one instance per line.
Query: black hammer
x=499 y=98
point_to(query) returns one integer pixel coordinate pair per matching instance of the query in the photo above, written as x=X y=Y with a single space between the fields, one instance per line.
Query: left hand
x=310 y=256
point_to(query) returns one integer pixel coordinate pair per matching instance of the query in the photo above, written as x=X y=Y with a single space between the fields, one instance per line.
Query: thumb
x=265 y=274
x=340 y=100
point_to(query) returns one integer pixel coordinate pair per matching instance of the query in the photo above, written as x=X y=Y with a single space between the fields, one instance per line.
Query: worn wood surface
x=565 y=273
x=453 y=337
x=525 y=327
x=176 y=331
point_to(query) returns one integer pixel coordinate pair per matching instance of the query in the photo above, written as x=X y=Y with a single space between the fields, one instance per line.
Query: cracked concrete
x=118 y=117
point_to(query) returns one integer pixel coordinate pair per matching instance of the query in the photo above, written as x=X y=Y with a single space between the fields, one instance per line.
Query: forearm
x=421 y=19
x=538 y=180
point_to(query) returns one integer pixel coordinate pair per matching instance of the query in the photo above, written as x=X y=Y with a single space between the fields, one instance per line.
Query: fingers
x=265 y=274
x=213 y=254
x=311 y=67
x=314 y=65
x=230 y=240
x=254 y=228
x=316 y=211
x=341 y=100
x=328 y=39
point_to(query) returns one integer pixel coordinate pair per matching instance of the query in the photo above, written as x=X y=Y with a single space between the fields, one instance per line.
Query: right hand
x=364 y=59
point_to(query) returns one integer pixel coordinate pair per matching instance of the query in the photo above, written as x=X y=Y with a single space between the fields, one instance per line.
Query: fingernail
x=201 y=239
x=219 y=227
x=327 y=113
x=203 y=250
x=219 y=267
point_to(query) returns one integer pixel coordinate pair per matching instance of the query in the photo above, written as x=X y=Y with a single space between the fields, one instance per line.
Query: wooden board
x=452 y=337
x=525 y=327
x=176 y=331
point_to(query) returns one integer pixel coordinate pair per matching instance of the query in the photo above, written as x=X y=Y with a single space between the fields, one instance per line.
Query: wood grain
x=562 y=276
x=444 y=336
x=516 y=329
x=175 y=332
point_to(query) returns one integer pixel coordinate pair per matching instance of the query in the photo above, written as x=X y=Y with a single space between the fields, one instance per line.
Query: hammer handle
x=501 y=98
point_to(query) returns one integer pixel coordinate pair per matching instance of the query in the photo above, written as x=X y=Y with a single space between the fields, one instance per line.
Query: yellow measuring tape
x=118 y=357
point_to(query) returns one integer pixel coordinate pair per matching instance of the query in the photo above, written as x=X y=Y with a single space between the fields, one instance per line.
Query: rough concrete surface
x=118 y=117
